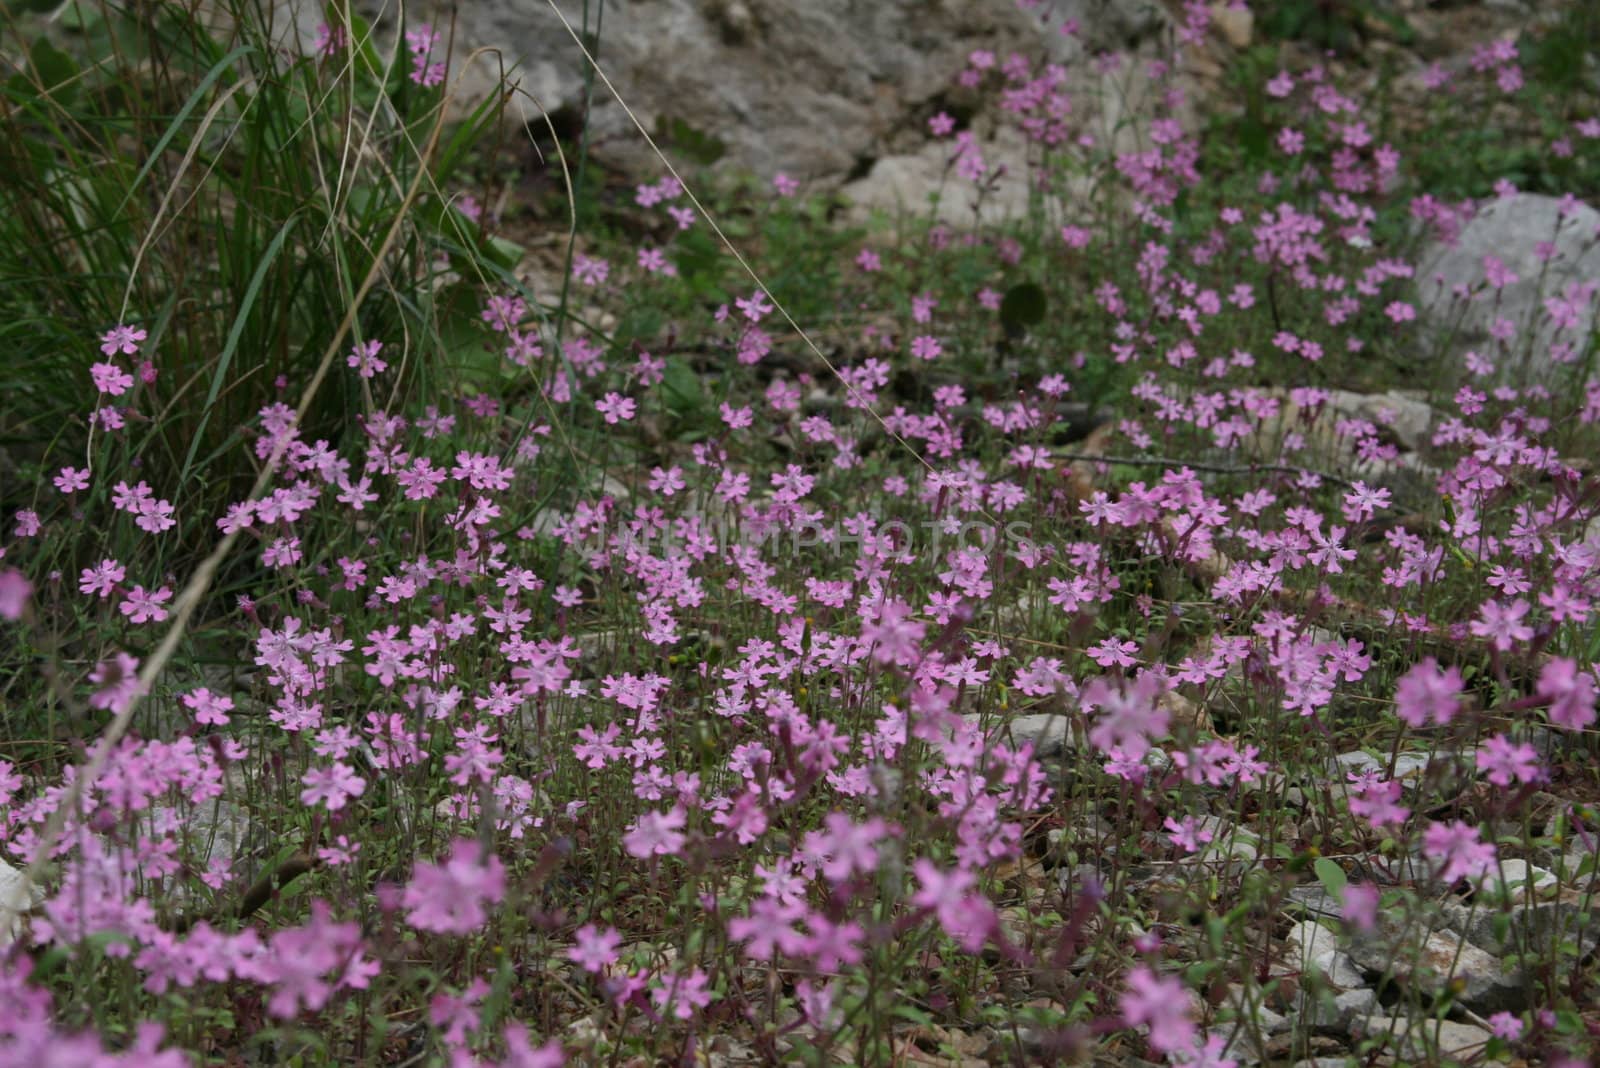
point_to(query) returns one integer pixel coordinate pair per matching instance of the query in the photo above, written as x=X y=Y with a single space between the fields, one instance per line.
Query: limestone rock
x=1444 y=962
x=811 y=88
x=1528 y=928
x=1424 y=1038
x=1051 y=733
x=1235 y=25
x=1512 y=230
x=1313 y=946
x=14 y=904
x=1325 y=1011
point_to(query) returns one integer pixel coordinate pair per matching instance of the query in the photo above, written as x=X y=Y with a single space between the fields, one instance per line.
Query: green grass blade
x=182 y=116
x=225 y=360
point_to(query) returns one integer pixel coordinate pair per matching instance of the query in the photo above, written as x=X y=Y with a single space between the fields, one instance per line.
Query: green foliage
x=1336 y=25
x=229 y=199
x=1023 y=306
x=689 y=140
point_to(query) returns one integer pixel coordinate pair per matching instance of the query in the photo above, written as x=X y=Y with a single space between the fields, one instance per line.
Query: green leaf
x=52 y=66
x=682 y=387
x=77 y=15
x=182 y=117
x=225 y=360
x=1022 y=306
x=699 y=146
x=1331 y=876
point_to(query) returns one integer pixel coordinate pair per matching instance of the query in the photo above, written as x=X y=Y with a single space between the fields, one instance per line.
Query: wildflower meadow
x=461 y=604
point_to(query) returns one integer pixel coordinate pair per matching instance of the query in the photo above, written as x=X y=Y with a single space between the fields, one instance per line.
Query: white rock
x=1518 y=881
x=1050 y=732
x=1314 y=947
x=1404 y=414
x=14 y=904
x=810 y=87
x=1443 y=962
x=1424 y=1038
x=1322 y=1011
x=1511 y=229
x=1408 y=767
x=1229 y=841
x=1265 y=1019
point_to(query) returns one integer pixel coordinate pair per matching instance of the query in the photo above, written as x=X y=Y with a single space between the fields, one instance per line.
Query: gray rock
x=1404 y=415
x=1423 y=1038
x=1240 y=1043
x=1518 y=882
x=14 y=903
x=1050 y=732
x=1325 y=1011
x=906 y=184
x=1314 y=947
x=1511 y=228
x=1401 y=417
x=1527 y=928
x=1310 y=899
x=812 y=88
x=1408 y=767
x=1260 y=1017
x=1229 y=841
x=1443 y=963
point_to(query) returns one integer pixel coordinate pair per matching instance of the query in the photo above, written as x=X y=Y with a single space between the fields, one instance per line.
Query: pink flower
x=521 y=1054
x=1113 y=651
x=330 y=41
x=71 y=480
x=894 y=637
x=596 y=948
x=1127 y=716
x=784 y=185
x=755 y=307
x=14 y=592
x=1502 y=623
x=668 y=482
x=449 y=898
x=333 y=786
x=1163 y=1005
x=122 y=338
x=1426 y=694
x=1375 y=802
x=1188 y=835
x=1505 y=762
x=966 y=917
x=656 y=834
x=118 y=683
x=684 y=994
x=110 y=379
x=208 y=707
x=1076 y=237
x=364 y=358
x=1570 y=692
x=1360 y=908
x=141 y=605
x=1455 y=848
x=1506 y=1026
x=590 y=271
x=615 y=407
x=300 y=963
